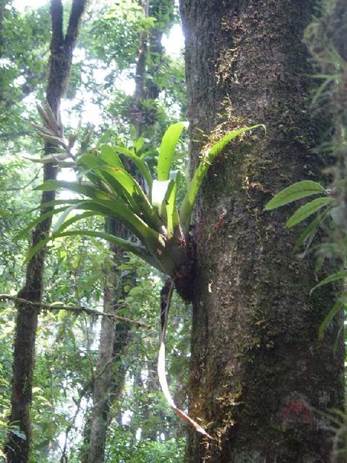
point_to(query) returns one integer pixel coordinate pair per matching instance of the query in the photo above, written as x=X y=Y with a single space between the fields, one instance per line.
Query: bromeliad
x=150 y=213
x=158 y=226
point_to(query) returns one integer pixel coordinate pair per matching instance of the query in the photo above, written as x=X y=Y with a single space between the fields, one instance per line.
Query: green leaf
x=109 y=155
x=167 y=149
x=114 y=204
x=159 y=190
x=309 y=232
x=218 y=147
x=294 y=192
x=171 y=209
x=82 y=188
x=140 y=164
x=126 y=245
x=138 y=145
x=41 y=218
x=76 y=218
x=339 y=305
x=130 y=190
x=121 y=212
x=34 y=250
x=307 y=210
x=331 y=279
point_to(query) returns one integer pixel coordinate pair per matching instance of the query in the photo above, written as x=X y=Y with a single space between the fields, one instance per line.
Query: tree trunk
x=114 y=337
x=3 y=4
x=18 y=448
x=261 y=381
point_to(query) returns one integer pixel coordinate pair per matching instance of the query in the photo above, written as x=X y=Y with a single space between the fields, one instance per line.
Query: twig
x=69 y=308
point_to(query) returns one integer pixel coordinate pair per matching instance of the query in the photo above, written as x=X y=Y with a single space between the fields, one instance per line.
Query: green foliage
x=308 y=209
x=114 y=35
x=66 y=348
x=294 y=192
x=145 y=451
x=150 y=214
x=327 y=202
x=302 y=190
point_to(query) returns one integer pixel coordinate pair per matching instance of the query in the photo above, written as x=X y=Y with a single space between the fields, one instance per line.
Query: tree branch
x=74 y=309
x=57 y=25
x=77 y=9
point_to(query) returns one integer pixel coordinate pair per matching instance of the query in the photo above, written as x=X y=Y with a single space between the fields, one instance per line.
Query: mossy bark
x=261 y=381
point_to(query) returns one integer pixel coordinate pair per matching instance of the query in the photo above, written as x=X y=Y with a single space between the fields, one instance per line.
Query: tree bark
x=261 y=381
x=61 y=49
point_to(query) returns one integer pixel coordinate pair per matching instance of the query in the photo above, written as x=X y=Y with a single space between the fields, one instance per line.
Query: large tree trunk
x=261 y=381
x=62 y=45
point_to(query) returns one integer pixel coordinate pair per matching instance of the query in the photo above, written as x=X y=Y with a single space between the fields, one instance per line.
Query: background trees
x=62 y=45
x=66 y=351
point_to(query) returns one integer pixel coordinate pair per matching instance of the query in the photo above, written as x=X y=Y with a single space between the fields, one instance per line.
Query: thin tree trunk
x=3 y=4
x=261 y=381
x=114 y=337
x=17 y=448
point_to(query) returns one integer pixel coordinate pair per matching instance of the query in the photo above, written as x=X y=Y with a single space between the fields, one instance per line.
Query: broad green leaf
x=307 y=210
x=109 y=155
x=201 y=171
x=64 y=224
x=151 y=238
x=294 y=192
x=138 y=145
x=110 y=208
x=218 y=147
x=159 y=190
x=126 y=245
x=120 y=209
x=41 y=218
x=167 y=149
x=171 y=209
x=81 y=188
x=34 y=250
x=339 y=305
x=129 y=188
x=331 y=279
x=309 y=232
x=140 y=164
